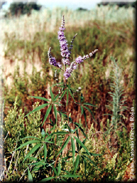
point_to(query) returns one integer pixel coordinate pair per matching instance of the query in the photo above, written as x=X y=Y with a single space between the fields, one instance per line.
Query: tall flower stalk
x=66 y=52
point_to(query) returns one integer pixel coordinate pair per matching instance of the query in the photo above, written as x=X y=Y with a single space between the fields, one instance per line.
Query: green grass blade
x=59 y=168
x=85 y=117
x=30 y=178
x=61 y=133
x=47 y=113
x=54 y=169
x=30 y=137
x=90 y=104
x=76 y=163
x=49 y=142
x=45 y=152
x=38 y=108
x=81 y=110
x=46 y=179
x=66 y=142
x=73 y=148
x=26 y=143
x=32 y=151
x=90 y=112
x=41 y=98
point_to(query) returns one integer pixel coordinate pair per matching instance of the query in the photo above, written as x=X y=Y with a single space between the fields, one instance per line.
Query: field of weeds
x=80 y=128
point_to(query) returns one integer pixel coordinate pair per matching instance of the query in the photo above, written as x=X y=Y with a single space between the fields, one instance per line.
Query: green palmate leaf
x=65 y=143
x=30 y=178
x=47 y=113
x=90 y=112
x=80 y=129
x=82 y=145
x=56 y=98
x=89 y=104
x=26 y=143
x=75 y=129
x=73 y=148
x=76 y=163
x=51 y=94
x=46 y=179
x=68 y=128
x=41 y=98
x=45 y=152
x=32 y=151
x=49 y=137
x=55 y=112
x=38 y=108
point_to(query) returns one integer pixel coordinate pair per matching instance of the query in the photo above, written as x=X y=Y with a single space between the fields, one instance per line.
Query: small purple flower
x=84 y=57
x=62 y=28
x=67 y=73
x=58 y=65
x=75 y=66
x=66 y=61
x=52 y=61
x=70 y=69
x=79 y=60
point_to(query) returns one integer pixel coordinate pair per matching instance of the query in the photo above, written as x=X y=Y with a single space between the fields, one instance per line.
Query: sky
x=72 y=4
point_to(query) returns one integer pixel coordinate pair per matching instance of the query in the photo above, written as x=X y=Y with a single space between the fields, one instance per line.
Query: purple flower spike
x=65 y=53
x=79 y=60
x=52 y=60
x=63 y=42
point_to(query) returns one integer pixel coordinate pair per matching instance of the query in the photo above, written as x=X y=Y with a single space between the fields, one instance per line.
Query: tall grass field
x=69 y=95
